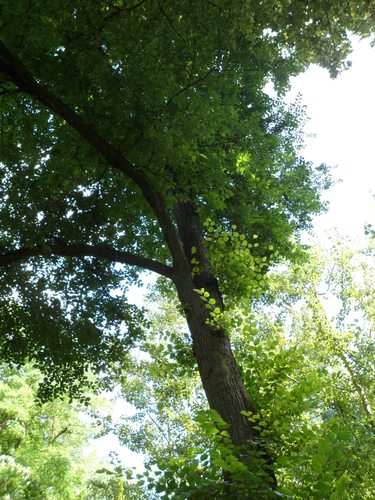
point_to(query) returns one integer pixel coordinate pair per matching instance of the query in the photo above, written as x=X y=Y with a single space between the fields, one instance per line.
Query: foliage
x=311 y=378
x=186 y=448
x=237 y=261
x=161 y=381
x=43 y=447
x=37 y=443
x=124 y=128
x=104 y=486
x=317 y=394
x=183 y=99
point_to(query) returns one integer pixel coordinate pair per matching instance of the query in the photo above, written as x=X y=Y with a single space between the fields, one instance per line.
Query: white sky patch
x=342 y=117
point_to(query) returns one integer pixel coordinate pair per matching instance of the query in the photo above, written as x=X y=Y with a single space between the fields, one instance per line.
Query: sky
x=341 y=133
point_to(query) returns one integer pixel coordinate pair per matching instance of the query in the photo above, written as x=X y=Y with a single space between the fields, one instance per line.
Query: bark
x=217 y=367
x=221 y=379
x=218 y=370
x=226 y=393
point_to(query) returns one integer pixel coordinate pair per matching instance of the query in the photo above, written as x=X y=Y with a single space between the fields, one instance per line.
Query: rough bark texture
x=217 y=367
x=220 y=376
x=221 y=379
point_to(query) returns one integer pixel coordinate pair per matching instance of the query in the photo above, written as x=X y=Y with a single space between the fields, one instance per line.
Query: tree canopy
x=139 y=136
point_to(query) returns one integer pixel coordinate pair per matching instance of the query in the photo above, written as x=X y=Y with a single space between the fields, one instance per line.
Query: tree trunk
x=220 y=376
x=221 y=379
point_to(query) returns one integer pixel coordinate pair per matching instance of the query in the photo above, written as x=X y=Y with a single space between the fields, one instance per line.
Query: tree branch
x=17 y=72
x=65 y=429
x=341 y=355
x=360 y=391
x=80 y=250
x=191 y=84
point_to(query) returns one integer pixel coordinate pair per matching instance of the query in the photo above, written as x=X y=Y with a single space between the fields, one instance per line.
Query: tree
x=319 y=387
x=128 y=127
x=310 y=377
x=44 y=447
x=37 y=442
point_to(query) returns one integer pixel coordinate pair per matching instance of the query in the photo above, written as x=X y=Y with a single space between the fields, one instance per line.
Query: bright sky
x=342 y=114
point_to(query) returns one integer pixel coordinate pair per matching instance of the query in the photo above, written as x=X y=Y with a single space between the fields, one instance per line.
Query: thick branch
x=17 y=72
x=100 y=252
x=60 y=433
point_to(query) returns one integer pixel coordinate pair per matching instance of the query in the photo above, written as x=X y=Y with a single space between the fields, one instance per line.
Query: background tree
x=44 y=448
x=319 y=386
x=125 y=127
